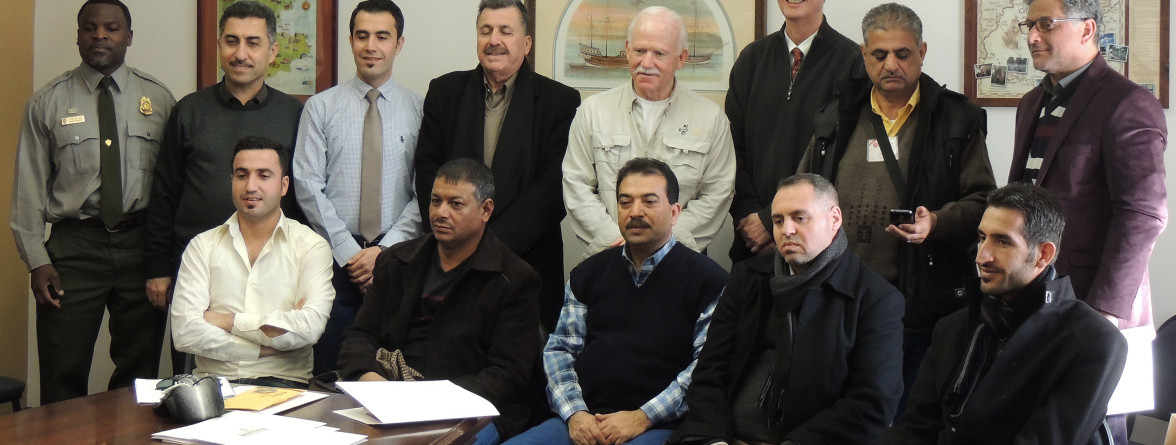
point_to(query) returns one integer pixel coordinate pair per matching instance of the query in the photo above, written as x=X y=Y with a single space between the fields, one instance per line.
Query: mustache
x=637 y=224
x=495 y=50
x=651 y=71
x=244 y=63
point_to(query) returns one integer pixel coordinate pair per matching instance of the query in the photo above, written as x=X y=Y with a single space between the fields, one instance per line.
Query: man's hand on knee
x=583 y=429
x=623 y=426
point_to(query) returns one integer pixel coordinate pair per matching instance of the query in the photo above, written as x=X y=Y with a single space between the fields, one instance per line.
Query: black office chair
x=10 y=391
x=1164 y=366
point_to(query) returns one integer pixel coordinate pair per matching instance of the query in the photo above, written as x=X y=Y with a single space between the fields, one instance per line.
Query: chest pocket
x=609 y=151
x=76 y=148
x=687 y=158
x=143 y=139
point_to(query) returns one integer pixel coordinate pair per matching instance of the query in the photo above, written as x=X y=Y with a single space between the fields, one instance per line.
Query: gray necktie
x=369 y=184
x=110 y=206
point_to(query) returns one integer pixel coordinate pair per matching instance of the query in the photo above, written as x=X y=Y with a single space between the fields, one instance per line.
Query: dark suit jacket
x=528 y=201
x=1050 y=383
x=846 y=369
x=1106 y=166
x=477 y=338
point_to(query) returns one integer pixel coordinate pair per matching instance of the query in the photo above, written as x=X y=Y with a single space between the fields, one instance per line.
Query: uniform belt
x=129 y=221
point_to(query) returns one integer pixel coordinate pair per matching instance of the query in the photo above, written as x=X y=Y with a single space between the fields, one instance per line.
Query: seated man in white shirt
x=253 y=294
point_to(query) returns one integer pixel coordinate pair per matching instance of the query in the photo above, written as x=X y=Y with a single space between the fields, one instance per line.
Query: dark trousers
x=348 y=299
x=914 y=348
x=100 y=271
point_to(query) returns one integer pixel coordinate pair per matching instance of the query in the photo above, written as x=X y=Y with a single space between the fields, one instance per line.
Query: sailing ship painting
x=590 y=42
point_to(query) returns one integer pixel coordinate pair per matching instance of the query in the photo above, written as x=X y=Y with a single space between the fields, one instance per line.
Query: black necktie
x=110 y=206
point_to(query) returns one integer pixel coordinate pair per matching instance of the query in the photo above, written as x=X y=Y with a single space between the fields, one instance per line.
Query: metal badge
x=145 y=106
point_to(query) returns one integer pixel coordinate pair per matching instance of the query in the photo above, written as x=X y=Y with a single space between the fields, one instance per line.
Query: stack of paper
x=242 y=428
x=404 y=402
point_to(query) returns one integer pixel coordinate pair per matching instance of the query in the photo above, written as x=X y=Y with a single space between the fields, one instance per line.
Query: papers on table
x=1136 y=390
x=261 y=397
x=241 y=428
x=303 y=399
x=404 y=402
x=146 y=394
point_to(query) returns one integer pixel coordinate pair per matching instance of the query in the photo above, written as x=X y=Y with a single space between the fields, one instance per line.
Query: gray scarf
x=788 y=292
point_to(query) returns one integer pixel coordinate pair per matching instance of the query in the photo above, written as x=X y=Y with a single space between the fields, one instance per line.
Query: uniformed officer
x=84 y=164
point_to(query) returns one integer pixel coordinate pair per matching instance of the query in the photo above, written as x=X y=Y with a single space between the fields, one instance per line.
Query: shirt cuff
x=246 y=323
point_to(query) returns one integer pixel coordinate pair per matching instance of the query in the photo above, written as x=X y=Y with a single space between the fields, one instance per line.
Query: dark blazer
x=846 y=372
x=528 y=200
x=1105 y=163
x=482 y=338
x=1049 y=385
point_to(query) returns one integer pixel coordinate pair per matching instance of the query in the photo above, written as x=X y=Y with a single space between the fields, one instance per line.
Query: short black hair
x=1044 y=220
x=823 y=190
x=471 y=171
x=503 y=4
x=251 y=9
x=377 y=6
x=264 y=143
x=126 y=11
x=650 y=167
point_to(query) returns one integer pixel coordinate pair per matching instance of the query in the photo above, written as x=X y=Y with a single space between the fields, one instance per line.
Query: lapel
x=471 y=117
x=516 y=149
x=1086 y=88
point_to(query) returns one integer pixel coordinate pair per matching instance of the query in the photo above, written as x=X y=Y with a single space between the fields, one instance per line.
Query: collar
x=805 y=45
x=629 y=97
x=361 y=88
x=903 y=113
x=653 y=260
x=506 y=86
x=226 y=96
x=234 y=227
x=92 y=77
x=1057 y=89
x=487 y=257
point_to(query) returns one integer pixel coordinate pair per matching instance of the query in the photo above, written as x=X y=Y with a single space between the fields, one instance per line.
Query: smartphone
x=901 y=216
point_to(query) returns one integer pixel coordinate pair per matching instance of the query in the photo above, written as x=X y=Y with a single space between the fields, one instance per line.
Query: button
x=77 y=138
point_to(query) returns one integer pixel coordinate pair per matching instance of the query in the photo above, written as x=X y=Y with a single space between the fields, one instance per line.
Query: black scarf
x=788 y=292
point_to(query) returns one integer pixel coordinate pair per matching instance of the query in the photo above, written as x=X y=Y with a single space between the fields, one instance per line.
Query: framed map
x=998 y=70
x=582 y=42
x=306 y=40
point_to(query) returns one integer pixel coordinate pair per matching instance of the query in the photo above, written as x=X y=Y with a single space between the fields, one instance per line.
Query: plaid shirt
x=564 y=345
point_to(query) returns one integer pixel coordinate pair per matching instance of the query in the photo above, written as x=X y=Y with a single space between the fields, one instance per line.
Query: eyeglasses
x=1044 y=24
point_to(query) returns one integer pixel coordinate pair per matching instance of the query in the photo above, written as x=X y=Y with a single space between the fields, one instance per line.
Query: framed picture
x=307 y=41
x=581 y=43
x=992 y=37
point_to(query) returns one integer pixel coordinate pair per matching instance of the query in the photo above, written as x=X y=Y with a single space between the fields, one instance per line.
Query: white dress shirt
x=215 y=274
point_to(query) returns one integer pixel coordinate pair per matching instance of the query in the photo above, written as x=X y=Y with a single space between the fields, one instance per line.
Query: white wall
x=439 y=37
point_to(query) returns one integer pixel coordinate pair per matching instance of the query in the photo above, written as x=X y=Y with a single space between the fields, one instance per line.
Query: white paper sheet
x=404 y=402
x=146 y=394
x=239 y=427
x=1136 y=389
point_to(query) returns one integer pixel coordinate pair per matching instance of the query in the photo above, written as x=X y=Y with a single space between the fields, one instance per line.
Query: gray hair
x=823 y=190
x=893 y=16
x=502 y=4
x=663 y=13
x=1090 y=9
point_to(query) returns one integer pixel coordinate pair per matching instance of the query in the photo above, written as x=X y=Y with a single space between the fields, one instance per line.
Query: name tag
x=874 y=150
x=73 y=120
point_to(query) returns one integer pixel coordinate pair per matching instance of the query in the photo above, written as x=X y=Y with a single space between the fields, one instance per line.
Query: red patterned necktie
x=797 y=58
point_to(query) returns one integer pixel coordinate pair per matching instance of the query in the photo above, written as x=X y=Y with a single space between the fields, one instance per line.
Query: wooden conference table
x=113 y=417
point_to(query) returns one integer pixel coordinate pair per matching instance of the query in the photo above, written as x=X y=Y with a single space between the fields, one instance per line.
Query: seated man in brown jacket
x=455 y=304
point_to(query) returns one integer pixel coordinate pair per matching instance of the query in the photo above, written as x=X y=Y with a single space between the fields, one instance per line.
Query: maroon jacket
x=1106 y=166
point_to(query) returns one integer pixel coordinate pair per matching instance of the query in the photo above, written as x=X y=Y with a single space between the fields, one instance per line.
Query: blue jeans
x=555 y=432
x=488 y=436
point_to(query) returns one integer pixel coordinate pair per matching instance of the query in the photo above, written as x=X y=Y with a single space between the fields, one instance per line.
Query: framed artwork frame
x=323 y=72
x=998 y=66
x=557 y=29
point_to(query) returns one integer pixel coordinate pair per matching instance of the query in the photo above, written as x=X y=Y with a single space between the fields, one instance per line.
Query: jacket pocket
x=609 y=151
x=687 y=158
x=143 y=140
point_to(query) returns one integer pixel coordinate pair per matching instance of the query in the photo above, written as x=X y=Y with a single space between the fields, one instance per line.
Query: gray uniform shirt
x=57 y=158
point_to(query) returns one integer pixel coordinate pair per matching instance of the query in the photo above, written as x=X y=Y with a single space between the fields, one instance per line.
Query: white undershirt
x=651 y=113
